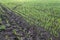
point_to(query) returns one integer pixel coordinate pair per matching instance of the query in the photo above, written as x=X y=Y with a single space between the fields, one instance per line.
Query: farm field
x=44 y=14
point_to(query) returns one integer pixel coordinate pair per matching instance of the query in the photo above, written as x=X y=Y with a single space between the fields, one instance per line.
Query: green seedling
x=2 y=27
x=14 y=31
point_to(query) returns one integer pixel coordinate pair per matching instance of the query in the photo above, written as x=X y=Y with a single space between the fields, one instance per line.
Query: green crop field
x=43 y=13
